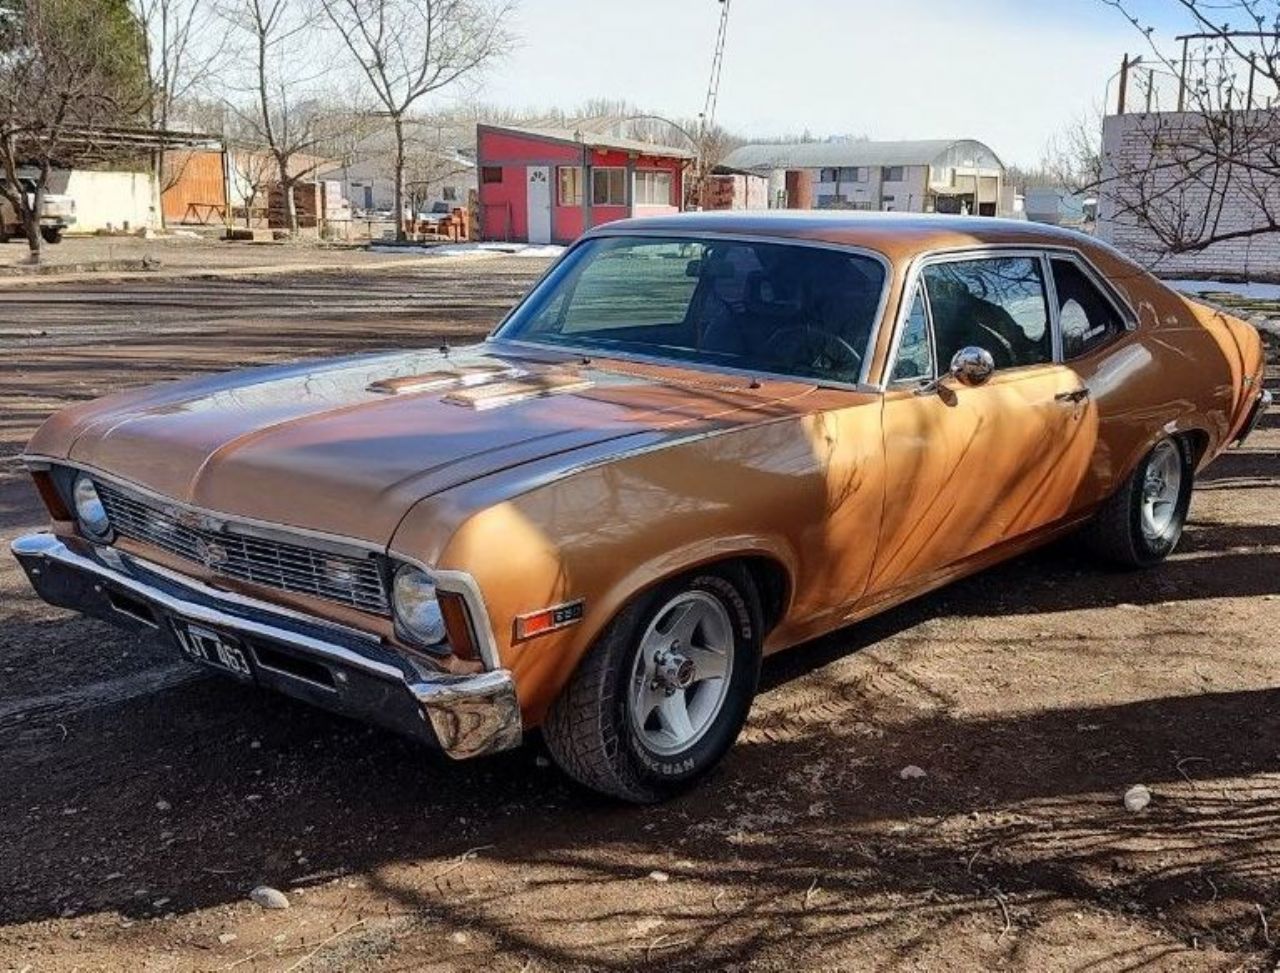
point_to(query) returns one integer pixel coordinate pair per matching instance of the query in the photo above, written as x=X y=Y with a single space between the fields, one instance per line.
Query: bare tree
x=286 y=106
x=408 y=49
x=1073 y=158
x=253 y=173
x=1197 y=163
x=67 y=69
x=183 y=47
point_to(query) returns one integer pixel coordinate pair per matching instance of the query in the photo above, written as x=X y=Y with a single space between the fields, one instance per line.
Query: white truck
x=58 y=213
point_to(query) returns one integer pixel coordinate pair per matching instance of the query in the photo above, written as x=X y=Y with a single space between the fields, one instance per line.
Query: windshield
x=788 y=309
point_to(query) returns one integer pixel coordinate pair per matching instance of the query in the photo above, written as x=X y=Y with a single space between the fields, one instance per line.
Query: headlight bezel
x=84 y=494
x=415 y=608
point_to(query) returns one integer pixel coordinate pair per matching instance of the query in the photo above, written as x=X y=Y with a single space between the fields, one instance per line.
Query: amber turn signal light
x=49 y=494
x=548 y=619
x=457 y=623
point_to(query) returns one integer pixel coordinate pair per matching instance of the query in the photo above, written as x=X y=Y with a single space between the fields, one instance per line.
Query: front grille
x=353 y=581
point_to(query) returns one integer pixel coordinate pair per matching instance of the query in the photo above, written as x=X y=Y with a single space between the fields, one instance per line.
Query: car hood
x=348 y=446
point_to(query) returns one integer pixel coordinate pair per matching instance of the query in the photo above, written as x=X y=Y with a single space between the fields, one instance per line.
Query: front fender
x=606 y=533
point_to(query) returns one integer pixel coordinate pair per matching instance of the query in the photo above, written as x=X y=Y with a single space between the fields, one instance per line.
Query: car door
x=970 y=467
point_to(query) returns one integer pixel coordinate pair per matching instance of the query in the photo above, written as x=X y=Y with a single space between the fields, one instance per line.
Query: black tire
x=1117 y=534
x=51 y=234
x=4 y=235
x=590 y=731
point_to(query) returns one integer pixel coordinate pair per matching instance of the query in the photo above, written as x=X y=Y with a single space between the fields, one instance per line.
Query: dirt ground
x=141 y=800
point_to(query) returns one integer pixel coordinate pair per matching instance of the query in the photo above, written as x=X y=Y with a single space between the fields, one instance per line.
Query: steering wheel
x=817 y=349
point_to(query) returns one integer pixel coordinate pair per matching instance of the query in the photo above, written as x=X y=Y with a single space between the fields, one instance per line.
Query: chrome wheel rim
x=680 y=676
x=1161 y=486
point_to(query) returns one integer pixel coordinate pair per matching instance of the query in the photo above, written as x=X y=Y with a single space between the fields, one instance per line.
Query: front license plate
x=212 y=648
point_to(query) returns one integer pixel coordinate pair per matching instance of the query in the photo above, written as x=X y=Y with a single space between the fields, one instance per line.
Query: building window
x=609 y=187
x=449 y=194
x=829 y=175
x=653 y=188
x=891 y=174
x=849 y=174
x=490 y=174
x=570 y=182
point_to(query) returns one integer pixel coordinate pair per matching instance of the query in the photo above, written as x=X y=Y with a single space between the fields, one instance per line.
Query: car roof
x=897 y=235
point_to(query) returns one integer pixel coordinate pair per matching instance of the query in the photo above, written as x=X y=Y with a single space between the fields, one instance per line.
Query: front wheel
x=51 y=234
x=665 y=690
x=1141 y=523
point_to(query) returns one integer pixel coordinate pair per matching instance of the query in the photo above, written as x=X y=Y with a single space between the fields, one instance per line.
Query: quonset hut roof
x=820 y=155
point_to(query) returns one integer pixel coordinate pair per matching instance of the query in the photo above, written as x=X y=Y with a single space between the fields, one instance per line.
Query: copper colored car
x=699 y=440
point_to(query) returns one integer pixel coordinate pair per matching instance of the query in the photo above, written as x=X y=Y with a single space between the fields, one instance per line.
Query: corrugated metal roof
x=819 y=155
x=598 y=141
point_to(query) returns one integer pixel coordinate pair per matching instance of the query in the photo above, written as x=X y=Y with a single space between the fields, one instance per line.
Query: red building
x=549 y=186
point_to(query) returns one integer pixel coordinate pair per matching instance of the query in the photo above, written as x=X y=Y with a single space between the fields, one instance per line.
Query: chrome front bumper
x=332 y=666
x=1260 y=406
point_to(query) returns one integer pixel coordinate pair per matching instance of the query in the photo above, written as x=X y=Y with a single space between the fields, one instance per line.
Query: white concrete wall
x=108 y=200
x=1130 y=162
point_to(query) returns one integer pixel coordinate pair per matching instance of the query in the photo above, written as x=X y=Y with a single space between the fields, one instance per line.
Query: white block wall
x=1129 y=161
x=110 y=200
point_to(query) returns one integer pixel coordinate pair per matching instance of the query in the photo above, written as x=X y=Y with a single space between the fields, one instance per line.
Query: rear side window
x=1087 y=318
x=996 y=303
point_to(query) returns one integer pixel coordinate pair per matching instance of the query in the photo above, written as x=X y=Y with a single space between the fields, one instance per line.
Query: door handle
x=1076 y=395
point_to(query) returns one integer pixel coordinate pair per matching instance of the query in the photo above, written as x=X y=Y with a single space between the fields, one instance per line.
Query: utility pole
x=707 y=120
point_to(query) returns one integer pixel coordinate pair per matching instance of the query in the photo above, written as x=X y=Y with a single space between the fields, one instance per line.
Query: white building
x=938 y=175
x=437 y=174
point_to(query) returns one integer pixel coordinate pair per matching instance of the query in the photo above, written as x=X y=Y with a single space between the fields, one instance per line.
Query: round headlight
x=416 y=607
x=89 y=509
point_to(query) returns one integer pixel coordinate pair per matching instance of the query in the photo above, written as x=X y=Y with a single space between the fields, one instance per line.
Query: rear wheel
x=1141 y=524
x=663 y=693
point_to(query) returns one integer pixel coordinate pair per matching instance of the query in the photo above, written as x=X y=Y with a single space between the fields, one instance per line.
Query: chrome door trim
x=1045 y=251
x=952 y=255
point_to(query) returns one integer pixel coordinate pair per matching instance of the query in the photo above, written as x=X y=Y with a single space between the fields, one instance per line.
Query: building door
x=539 y=202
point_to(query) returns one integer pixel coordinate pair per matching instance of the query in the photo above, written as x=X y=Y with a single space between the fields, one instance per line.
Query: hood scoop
x=494 y=395
x=465 y=376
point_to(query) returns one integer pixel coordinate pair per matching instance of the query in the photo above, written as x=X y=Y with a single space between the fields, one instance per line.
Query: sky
x=1010 y=73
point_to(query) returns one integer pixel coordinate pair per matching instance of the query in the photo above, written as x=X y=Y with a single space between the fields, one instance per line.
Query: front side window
x=609 y=187
x=1088 y=320
x=779 y=308
x=915 y=348
x=569 y=179
x=996 y=303
x=653 y=188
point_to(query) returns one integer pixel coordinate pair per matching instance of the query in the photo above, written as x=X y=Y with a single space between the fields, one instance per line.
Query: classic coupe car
x=698 y=440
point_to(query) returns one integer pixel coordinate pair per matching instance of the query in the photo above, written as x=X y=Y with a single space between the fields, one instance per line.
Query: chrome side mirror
x=972 y=365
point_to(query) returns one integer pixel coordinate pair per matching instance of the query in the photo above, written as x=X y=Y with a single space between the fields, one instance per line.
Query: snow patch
x=1254 y=289
x=474 y=250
